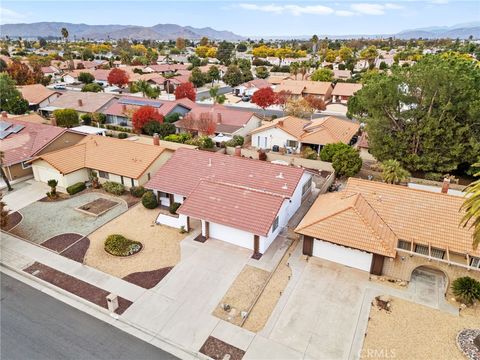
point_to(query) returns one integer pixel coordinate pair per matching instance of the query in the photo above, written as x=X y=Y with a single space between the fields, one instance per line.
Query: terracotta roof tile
x=35 y=93
x=346 y=89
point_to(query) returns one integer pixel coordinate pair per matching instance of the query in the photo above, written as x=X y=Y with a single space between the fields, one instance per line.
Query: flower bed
x=119 y=245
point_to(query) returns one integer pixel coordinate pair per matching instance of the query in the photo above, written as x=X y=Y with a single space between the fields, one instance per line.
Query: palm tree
x=471 y=206
x=393 y=172
x=314 y=41
x=217 y=98
x=64 y=32
x=2 y=173
x=294 y=69
x=304 y=66
x=143 y=86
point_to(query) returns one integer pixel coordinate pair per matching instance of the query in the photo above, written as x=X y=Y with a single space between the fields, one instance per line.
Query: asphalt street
x=35 y=326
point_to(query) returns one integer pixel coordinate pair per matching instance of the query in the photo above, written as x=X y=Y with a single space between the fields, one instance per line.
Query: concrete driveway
x=24 y=194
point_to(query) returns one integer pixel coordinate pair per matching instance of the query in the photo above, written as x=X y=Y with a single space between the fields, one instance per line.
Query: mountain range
x=103 y=32
x=173 y=31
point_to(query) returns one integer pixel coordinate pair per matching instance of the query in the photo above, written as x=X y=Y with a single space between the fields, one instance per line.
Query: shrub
x=66 y=117
x=171 y=118
x=122 y=135
x=119 y=245
x=86 y=77
x=162 y=130
x=178 y=138
x=92 y=87
x=149 y=200
x=347 y=162
x=329 y=150
x=174 y=207
x=113 y=188
x=237 y=140
x=75 y=188
x=137 y=191
x=86 y=119
x=466 y=289
x=433 y=176
x=203 y=142
x=309 y=153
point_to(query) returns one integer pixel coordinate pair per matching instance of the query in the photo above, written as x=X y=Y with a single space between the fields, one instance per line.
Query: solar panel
x=140 y=102
x=4 y=125
x=4 y=134
x=15 y=129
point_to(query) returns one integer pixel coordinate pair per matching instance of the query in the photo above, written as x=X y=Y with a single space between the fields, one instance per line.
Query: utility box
x=112 y=302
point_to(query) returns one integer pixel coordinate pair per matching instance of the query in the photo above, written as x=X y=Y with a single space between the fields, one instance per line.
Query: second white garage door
x=340 y=254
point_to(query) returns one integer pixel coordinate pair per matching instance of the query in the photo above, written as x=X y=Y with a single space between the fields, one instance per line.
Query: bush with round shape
x=466 y=289
x=309 y=153
x=329 y=150
x=66 y=117
x=113 y=188
x=171 y=118
x=122 y=135
x=119 y=245
x=347 y=162
x=154 y=127
x=137 y=191
x=75 y=188
x=149 y=200
x=92 y=87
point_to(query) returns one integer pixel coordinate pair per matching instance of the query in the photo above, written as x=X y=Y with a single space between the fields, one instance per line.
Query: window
x=475 y=262
x=26 y=165
x=438 y=253
x=103 y=175
x=421 y=249
x=405 y=245
x=292 y=143
x=275 y=224
x=133 y=182
x=306 y=187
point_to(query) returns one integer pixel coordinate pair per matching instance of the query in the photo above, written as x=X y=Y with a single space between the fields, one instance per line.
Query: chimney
x=280 y=122
x=238 y=150
x=124 y=108
x=156 y=139
x=80 y=102
x=445 y=185
x=219 y=118
x=4 y=115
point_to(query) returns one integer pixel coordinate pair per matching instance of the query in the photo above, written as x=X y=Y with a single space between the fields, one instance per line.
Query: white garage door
x=231 y=235
x=45 y=174
x=346 y=256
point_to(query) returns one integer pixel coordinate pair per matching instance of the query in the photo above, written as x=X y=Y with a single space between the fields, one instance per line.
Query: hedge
x=113 y=188
x=75 y=188
x=119 y=245
x=137 y=191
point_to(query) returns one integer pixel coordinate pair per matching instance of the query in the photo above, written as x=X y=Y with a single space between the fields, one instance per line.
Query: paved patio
x=44 y=220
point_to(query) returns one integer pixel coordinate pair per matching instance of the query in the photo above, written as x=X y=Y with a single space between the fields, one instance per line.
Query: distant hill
x=461 y=31
x=102 y=32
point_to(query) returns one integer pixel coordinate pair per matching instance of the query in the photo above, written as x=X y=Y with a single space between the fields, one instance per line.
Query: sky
x=253 y=18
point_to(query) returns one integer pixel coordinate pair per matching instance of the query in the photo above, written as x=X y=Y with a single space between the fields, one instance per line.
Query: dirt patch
x=77 y=251
x=98 y=206
x=127 y=197
x=148 y=279
x=413 y=331
x=75 y=286
x=61 y=242
x=13 y=220
x=241 y=294
x=217 y=349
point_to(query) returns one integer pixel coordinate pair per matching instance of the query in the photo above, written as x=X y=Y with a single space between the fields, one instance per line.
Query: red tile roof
x=186 y=168
x=117 y=108
x=239 y=207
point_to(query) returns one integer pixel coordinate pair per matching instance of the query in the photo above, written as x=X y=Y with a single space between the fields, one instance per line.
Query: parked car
x=246 y=98
x=60 y=87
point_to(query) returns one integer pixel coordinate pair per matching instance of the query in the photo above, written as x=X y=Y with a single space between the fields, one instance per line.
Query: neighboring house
x=319 y=89
x=294 y=134
x=82 y=102
x=277 y=79
x=124 y=162
x=342 y=92
x=250 y=87
x=221 y=68
x=241 y=201
x=120 y=111
x=37 y=95
x=22 y=138
x=228 y=121
x=342 y=74
x=50 y=71
x=363 y=147
x=390 y=230
x=165 y=68
x=100 y=75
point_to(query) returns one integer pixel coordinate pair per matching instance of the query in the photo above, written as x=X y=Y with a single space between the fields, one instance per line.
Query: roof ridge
x=243 y=187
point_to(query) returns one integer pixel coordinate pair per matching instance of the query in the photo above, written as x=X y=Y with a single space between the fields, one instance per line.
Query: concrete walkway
x=25 y=193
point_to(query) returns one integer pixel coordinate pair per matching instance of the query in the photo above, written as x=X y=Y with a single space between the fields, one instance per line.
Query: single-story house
x=319 y=89
x=342 y=92
x=277 y=79
x=82 y=102
x=125 y=162
x=22 y=138
x=250 y=87
x=293 y=134
x=165 y=68
x=241 y=201
x=227 y=121
x=37 y=95
x=342 y=74
x=390 y=230
x=50 y=71
x=120 y=111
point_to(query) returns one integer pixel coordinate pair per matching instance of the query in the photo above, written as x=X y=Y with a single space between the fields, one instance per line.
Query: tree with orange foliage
x=282 y=98
x=186 y=90
x=21 y=73
x=315 y=102
x=144 y=115
x=206 y=125
x=118 y=77
x=264 y=98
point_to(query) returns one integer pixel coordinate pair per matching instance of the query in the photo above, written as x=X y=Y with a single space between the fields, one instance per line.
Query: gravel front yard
x=412 y=331
x=44 y=220
x=161 y=244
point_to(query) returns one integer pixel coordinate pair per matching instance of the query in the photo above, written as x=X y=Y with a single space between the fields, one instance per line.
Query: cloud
x=295 y=10
x=10 y=16
x=344 y=13
x=374 y=9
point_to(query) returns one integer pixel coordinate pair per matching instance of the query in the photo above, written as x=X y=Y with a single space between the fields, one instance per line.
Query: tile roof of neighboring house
x=228 y=120
x=342 y=74
x=47 y=70
x=239 y=207
x=164 y=107
x=186 y=168
x=319 y=131
x=276 y=79
x=35 y=93
x=91 y=102
x=167 y=67
x=256 y=83
x=346 y=89
x=23 y=145
x=294 y=89
x=298 y=87
x=115 y=156
x=419 y=216
x=180 y=79
x=363 y=141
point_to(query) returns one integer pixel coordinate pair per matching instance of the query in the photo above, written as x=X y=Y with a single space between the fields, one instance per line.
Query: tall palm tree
x=393 y=172
x=216 y=97
x=2 y=173
x=471 y=206
x=304 y=66
x=294 y=69
x=314 y=41
x=64 y=33
x=143 y=86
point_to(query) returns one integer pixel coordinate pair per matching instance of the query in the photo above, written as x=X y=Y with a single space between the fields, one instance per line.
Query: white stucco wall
x=274 y=136
x=176 y=222
x=43 y=171
x=251 y=125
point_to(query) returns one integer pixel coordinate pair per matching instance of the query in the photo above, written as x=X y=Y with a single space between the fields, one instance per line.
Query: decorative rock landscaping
x=468 y=341
x=119 y=245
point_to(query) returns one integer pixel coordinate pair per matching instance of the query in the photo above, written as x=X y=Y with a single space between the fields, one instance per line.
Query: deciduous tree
x=186 y=90
x=264 y=98
x=233 y=76
x=322 y=74
x=118 y=77
x=11 y=99
x=143 y=115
